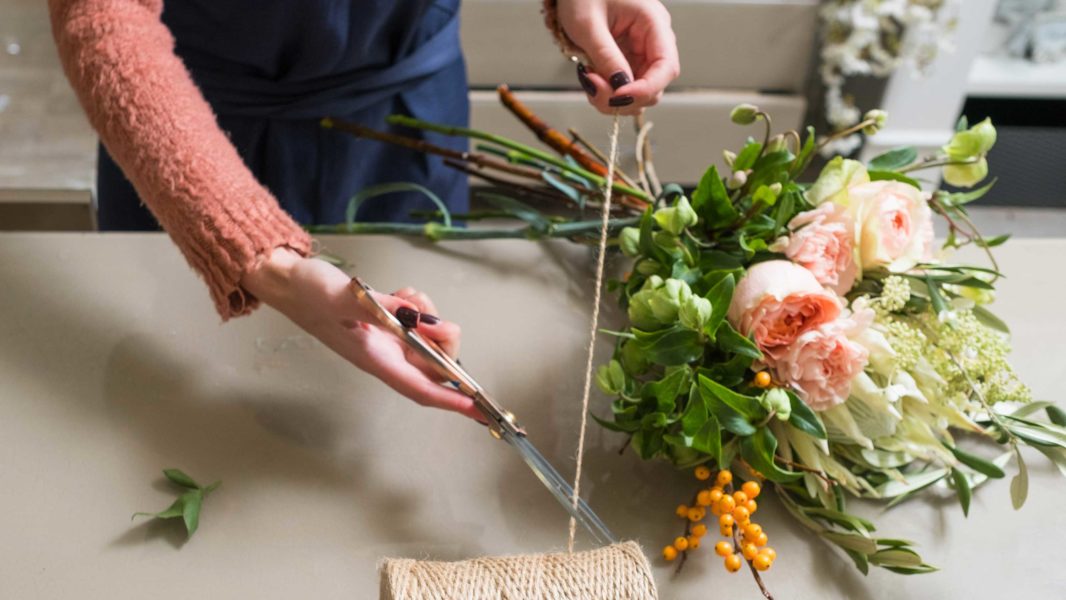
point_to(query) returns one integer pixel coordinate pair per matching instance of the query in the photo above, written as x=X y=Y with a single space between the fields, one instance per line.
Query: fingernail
x=619 y=79
x=620 y=101
x=408 y=317
x=586 y=83
x=429 y=319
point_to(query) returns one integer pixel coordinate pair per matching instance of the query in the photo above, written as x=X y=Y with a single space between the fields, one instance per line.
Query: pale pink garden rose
x=776 y=302
x=823 y=241
x=893 y=225
x=822 y=363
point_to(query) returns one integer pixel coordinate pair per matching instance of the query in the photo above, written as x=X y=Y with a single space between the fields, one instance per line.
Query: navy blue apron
x=272 y=69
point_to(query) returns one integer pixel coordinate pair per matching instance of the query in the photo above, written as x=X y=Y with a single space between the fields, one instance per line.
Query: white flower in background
x=874 y=38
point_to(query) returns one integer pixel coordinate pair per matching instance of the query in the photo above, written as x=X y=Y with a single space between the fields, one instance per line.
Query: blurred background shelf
x=995 y=76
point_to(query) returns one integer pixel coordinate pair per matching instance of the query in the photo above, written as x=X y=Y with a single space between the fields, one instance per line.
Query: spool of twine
x=616 y=572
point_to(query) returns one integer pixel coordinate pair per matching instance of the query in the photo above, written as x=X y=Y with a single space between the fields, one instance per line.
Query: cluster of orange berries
x=734 y=510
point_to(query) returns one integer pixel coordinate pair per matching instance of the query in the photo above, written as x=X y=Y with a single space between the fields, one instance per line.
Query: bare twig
x=600 y=155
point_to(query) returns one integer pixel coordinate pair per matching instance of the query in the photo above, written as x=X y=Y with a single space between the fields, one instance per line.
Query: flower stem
x=934 y=161
x=435 y=231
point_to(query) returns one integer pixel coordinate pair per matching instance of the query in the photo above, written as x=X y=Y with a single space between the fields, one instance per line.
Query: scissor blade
x=560 y=489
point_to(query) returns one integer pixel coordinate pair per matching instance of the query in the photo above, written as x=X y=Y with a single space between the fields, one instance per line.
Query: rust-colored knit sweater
x=119 y=57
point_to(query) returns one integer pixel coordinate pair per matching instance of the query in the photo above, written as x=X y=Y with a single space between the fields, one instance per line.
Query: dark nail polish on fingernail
x=408 y=317
x=620 y=101
x=619 y=79
x=586 y=83
x=430 y=319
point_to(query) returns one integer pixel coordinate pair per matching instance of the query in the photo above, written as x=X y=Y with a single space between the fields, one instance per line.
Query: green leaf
x=893 y=176
x=999 y=240
x=729 y=340
x=852 y=541
x=748 y=155
x=720 y=296
x=894 y=160
x=711 y=201
x=990 y=320
x=1019 y=486
x=977 y=463
x=626 y=427
x=1056 y=415
x=961 y=198
x=696 y=412
x=862 y=563
x=805 y=419
x=180 y=478
x=709 y=438
x=748 y=406
x=896 y=557
x=939 y=304
x=674 y=346
x=190 y=513
x=912 y=482
x=759 y=449
x=805 y=153
x=519 y=210
x=174 y=510
x=667 y=389
x=962 y=489
x=963 y=124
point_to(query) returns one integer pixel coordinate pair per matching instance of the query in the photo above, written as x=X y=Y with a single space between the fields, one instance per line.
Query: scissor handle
x=499 y=420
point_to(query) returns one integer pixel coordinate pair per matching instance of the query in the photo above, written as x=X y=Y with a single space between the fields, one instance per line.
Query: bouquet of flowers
x=808 y=338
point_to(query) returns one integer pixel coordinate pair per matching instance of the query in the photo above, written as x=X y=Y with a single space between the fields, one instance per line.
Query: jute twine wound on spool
x=618 y=572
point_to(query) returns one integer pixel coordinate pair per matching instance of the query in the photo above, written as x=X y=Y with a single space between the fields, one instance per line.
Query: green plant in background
x=189 y=503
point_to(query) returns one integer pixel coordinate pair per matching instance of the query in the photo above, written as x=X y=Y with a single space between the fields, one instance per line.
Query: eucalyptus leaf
x=962 y=490
x=1019 y=485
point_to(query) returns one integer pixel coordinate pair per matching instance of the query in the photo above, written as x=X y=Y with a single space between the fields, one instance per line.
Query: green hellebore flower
x=677 y=217
x=737 y=180
x=879 y=118
x=611 y=378
x=973 y=142
x=745 y=114
x=835 y=179
x=629 y=241
x=640 y=313
x=777 y=400
x=695 y=312
x=729 y=157
x=777 y=144
x=967 y=175
x=658 y=302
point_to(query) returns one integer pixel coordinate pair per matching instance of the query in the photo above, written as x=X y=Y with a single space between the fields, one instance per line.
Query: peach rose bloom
x=893 y=224
x=821 y=364
x=823 y=242
x=776 y=301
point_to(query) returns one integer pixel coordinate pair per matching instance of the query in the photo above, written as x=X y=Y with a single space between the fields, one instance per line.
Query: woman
x=208 y=112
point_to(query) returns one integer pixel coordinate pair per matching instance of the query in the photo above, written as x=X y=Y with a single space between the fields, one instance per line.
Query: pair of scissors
x=502 y=423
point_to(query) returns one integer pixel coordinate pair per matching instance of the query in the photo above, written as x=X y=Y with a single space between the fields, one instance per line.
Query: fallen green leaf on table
x=188 y=505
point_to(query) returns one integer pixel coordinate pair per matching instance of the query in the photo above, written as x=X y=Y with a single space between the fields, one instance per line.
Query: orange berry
x=752 y=506
x=733 y=563
x=716 y=494
x=696 y=514
x=703 y=473
x=724 y=478
x=768 y=551
x=762 y=562
x=681 y=544
x=699 y=530
x=726 y=505
x=761 y=540
x=693 y=542
x=726 y=531
x=725 y=521
x=669 y=553
x=682 y=511
x=741 y=514
x=752 y=489
x=762 y=379
x=723 y=549
x=749 y=550
x=752 y=530
x=740 y=497
x=703 y=498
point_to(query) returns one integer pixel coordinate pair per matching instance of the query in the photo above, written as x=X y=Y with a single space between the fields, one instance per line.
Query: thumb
x=603 y=52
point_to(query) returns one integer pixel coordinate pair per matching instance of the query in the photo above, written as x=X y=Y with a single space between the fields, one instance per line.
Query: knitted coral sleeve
x=149 y=114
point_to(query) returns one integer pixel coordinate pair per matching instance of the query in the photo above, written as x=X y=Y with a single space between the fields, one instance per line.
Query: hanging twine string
x=600 y=262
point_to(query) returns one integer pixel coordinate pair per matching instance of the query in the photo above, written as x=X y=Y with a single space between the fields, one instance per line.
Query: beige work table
x=113 y=365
